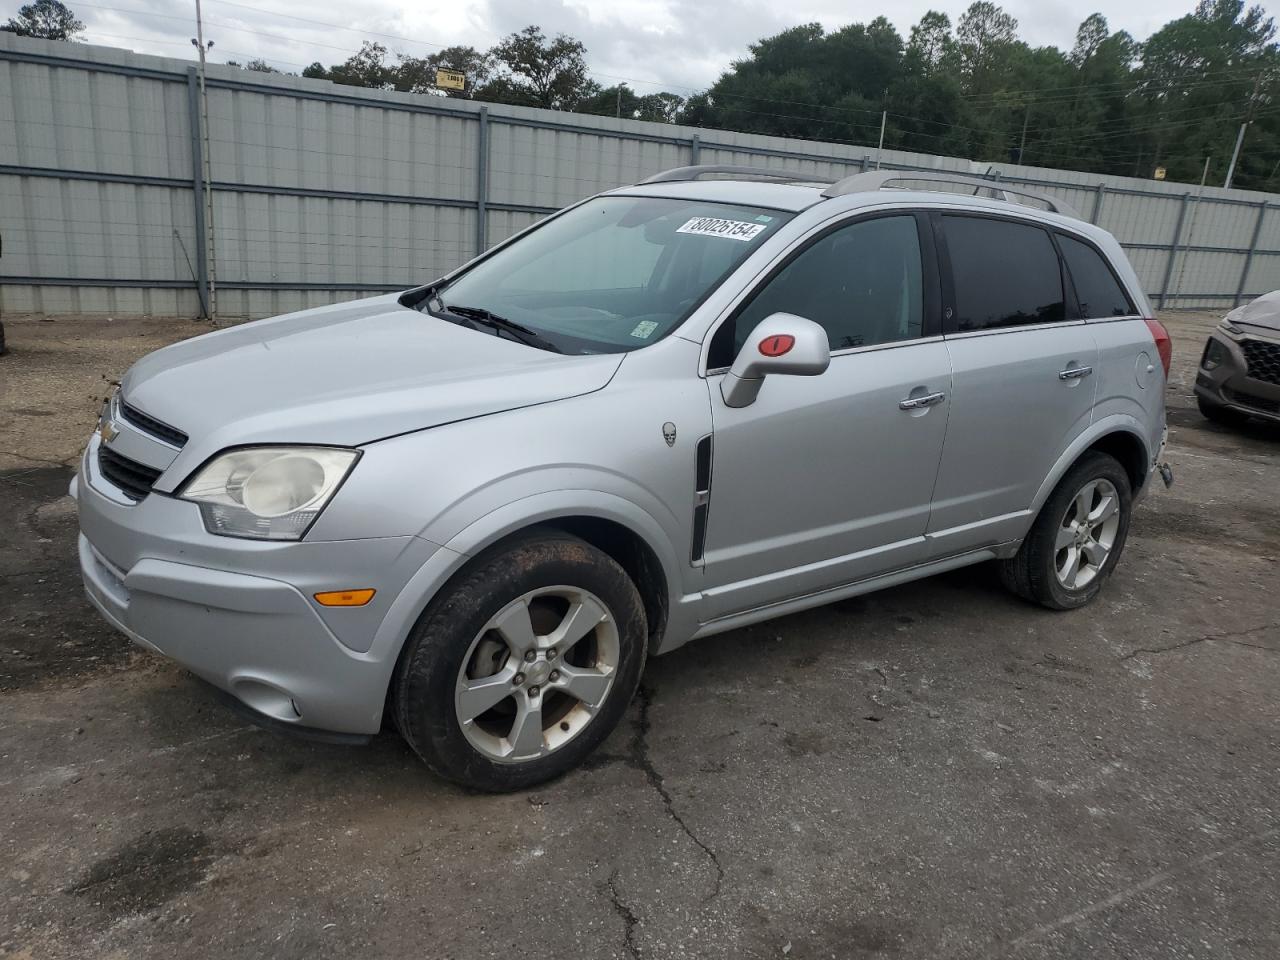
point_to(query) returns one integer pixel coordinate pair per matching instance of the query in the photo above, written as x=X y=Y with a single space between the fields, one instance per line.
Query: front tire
x=523 y=664
x=1077 y=538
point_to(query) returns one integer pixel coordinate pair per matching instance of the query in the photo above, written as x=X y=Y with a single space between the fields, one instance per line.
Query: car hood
x=1263 y=312
x=346 y=374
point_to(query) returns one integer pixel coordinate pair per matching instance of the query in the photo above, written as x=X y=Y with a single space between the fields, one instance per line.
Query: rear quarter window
x=1097 y=289
x=1005 y=274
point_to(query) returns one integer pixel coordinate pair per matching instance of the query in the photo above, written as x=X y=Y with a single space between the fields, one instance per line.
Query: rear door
x=1130 y=382
x=1023 y=377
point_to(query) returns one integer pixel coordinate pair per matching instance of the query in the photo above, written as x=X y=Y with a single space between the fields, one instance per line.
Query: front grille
x=1257 y=403
x=151 y=425
x=134 y=479
x=1264 y=359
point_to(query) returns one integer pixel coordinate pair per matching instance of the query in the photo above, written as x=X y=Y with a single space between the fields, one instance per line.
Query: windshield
x=614 y=274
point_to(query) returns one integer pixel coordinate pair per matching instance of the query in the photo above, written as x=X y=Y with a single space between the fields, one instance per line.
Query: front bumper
x=240 y=613
x=1229 y=384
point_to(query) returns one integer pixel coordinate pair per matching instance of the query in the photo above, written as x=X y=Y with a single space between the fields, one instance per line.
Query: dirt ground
x=937 y=770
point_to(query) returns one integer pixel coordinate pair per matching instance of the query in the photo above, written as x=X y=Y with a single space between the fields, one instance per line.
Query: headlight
x=1229 y=327
x=267 y=493
x=1215 y=354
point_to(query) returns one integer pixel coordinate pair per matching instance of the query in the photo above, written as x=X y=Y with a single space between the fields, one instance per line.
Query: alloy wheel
x=1086 y=534
x=537 y=674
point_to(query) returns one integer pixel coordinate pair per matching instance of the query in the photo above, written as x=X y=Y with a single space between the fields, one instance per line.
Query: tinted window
x=860 y=282
x=1005 y=274
x=1097 y=289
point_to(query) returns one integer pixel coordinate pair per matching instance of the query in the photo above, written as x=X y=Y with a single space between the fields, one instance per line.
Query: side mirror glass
x=781 y=344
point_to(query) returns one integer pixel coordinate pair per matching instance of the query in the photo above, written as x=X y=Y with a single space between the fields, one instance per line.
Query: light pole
x=202 y=47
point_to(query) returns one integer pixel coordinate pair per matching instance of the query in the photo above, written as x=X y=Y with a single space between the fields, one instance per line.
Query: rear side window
x=1097 y=289
x=1005 y=274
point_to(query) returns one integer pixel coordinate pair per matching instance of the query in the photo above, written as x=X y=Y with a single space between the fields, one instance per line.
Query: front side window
x=1005 y=274
x=861 y=283
x=1097 y=289
x=614 y=274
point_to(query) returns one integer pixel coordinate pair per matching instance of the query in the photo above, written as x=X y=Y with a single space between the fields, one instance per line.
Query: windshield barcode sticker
x=715 y=227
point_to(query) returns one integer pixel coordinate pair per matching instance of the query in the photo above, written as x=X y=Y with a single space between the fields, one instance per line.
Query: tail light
x=1164 y=344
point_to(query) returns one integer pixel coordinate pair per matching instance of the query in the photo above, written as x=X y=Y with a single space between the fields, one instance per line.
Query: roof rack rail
x=876 y=180
x=696 y=172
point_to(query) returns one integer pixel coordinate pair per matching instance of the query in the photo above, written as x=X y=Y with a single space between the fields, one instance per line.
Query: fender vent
x=701 y=499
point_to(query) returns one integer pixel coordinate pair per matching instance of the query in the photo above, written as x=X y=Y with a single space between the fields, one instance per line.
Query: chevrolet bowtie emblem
x=108 y=431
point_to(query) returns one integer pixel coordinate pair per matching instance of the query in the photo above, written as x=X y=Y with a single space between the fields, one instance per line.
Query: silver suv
x=671 y=410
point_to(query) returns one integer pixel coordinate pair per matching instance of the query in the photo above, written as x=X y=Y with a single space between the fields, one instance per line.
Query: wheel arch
x=1130 y=450
x=618 y=527
x=1118 y=436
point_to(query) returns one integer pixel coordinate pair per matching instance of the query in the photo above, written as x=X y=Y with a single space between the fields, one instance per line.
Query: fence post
x=866 y=162
x=695 y=150
x=1173 y=250
x=1248 y=257
x=482 y=182
x=1097 y=204
x=197 y=191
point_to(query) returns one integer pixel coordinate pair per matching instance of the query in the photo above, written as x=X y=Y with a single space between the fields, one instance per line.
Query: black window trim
x=950 y=325
x=931 y=298
x=1066 y=268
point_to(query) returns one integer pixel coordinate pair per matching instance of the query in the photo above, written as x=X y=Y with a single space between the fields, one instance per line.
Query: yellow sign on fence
x=451 y=80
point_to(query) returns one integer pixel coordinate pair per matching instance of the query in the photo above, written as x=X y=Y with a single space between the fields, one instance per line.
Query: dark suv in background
x=1239 y=374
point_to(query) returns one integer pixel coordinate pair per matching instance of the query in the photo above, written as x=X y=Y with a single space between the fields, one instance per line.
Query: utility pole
x=1022 y=145
x=1191 y=232
x=1248 y=119
x=884 y=115
x=618 y=113
x=200 y=45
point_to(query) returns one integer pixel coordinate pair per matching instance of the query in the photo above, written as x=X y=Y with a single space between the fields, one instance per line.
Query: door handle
x=928 y=400
x=1074 y=373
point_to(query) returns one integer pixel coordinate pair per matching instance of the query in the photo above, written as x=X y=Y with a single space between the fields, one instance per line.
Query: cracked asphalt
x=937 y=770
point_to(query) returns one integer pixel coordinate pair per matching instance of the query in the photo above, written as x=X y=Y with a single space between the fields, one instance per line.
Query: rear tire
x=522 y=664
x=1077 y=538
x=1220 y=414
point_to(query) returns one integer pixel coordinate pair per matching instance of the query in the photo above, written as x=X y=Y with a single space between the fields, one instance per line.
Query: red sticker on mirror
x=777 y=345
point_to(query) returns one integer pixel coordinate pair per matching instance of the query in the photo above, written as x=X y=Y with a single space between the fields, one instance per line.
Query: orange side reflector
x=344 y=598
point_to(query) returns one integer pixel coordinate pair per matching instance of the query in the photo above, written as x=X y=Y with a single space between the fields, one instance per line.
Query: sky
x=676 y=45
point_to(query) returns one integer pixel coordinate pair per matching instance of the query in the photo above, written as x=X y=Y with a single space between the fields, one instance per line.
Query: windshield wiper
x=479 y=315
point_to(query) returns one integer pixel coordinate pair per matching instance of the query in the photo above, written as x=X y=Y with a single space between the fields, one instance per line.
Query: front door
x=825 y=480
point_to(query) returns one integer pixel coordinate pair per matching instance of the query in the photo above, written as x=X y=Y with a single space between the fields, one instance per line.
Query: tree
x=541 y=72
x=622 y=101
x=366 y=68
x=418 y=74
x=1227 y=47
x=46 y=19
x=1089 y=37
x=660 y=107
x=256 y=65
x=931 y=42
x=984 y=33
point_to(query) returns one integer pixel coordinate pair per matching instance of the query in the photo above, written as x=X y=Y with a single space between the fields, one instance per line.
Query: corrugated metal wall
x=323 y=192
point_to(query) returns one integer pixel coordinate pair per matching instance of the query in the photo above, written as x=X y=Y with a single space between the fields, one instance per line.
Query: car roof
x=798 y=195
x=793 y=196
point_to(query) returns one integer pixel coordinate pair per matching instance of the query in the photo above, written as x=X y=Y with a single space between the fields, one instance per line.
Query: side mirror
x=782 y=344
